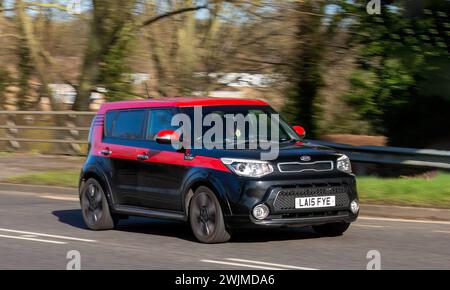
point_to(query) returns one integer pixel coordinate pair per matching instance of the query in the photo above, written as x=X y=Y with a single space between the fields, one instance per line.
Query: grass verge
x=66 y=178
x=433 y=192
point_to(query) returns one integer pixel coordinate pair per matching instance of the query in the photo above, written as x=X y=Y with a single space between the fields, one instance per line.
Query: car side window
x=160 y=119
x=125 y=124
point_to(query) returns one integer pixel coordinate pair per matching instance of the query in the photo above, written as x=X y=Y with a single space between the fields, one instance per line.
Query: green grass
x=67 y=178
x=433 y=192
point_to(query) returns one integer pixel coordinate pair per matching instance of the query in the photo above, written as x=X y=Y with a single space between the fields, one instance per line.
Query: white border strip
x=47 y=235
x=271 y=264
x=33 y=239
x=239 y=265
x=403 y=220
x=63 y=198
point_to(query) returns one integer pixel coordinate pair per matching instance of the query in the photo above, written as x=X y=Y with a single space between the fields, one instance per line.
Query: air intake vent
x=305 y=166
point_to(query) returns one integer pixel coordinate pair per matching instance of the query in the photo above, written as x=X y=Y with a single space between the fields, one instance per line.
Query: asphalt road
x=38 y=230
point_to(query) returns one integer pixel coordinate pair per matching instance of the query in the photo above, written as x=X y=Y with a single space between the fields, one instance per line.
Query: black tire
x=331 y=230
x=95 y=208
x=206 y=217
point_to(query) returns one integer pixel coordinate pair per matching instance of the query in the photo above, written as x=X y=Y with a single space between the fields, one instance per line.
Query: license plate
x=315 y=202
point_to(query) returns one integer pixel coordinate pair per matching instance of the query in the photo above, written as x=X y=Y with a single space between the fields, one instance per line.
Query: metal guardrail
x=393 y=155
x=66 y=131
x=70 y=128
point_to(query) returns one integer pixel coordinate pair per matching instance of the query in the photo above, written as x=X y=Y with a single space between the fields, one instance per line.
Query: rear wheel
x=331 y=230
x=95 y=208
x=206 y=217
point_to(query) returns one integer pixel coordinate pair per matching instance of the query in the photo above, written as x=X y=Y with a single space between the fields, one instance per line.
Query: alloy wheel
x=93 y=204
x=204 y=212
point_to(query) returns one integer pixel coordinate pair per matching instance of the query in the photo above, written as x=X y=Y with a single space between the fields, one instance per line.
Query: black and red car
x=133 y=169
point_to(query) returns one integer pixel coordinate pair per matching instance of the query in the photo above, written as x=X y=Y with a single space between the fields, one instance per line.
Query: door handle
x=142 y=156
x=106 y=152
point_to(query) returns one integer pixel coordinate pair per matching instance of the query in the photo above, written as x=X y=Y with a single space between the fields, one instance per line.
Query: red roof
x=180 y=102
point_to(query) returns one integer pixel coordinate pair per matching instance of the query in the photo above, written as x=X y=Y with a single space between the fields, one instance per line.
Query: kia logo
x=305 y=158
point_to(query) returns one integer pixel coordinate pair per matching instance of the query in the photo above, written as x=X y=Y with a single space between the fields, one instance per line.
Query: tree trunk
x=3 y=84
x=26 y=29
x=90 y=68
x=3 y=74
x=306 y=76
x=108 y=21
x=89 y=73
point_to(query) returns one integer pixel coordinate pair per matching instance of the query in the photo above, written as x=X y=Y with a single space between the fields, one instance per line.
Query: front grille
x=285 y=197
x=310 y=166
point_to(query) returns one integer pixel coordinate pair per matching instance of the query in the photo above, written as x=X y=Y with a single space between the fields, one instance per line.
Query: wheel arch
x=93 y=172
x=205 y=180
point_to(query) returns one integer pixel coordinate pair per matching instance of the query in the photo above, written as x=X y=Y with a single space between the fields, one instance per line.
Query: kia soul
x=235 y=165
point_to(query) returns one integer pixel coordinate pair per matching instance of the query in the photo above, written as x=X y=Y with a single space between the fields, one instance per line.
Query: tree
x=176 y=50
x=31 y=52
x=401 y=84
x=4 y=81
x=108 y=27
x=189 y=52
x=25 y=71
x=307 y=69
x=4 y=75
x=112 y=27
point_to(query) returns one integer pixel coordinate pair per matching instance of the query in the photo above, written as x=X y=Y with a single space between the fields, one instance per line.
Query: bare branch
x=261 y=61
x=6 y=9
x=47 y=5
x=172 y=13
x=9 y=35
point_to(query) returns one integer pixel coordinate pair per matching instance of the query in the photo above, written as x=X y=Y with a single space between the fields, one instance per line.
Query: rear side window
x=125 y=124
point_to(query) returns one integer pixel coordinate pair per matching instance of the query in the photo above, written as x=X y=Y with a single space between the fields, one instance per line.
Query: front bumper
x=279 y=196
x=277 y=222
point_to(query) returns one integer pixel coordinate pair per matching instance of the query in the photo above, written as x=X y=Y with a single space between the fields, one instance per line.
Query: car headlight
x=343 y=164
x=249 y=168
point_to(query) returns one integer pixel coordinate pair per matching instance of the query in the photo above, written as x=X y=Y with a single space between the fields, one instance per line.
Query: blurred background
x=362 y=73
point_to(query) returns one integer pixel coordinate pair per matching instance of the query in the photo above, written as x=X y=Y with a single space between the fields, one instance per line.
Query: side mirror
x=167 y=137
x=300 y=131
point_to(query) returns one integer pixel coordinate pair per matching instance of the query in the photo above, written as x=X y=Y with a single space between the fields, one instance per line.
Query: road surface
x=38 y=230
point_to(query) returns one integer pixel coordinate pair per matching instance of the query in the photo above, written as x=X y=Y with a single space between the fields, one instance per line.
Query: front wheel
x=331 y=230
x=95 y=208
x=206 y=218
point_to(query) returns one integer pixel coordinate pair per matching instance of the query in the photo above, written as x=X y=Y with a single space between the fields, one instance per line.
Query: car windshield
x=240 y=125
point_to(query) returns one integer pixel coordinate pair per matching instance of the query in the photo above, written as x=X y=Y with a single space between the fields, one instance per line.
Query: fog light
x=261 y=211
x=354 y=206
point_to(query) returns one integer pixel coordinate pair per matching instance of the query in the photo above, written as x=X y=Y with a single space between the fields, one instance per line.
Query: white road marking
x=33 y=239
x=369 y=226
x=270 y=264
x=47 y=235
x=403 y=220
x=442 y=232
x=240 y=265
x=30 y=236
x=64 y=198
